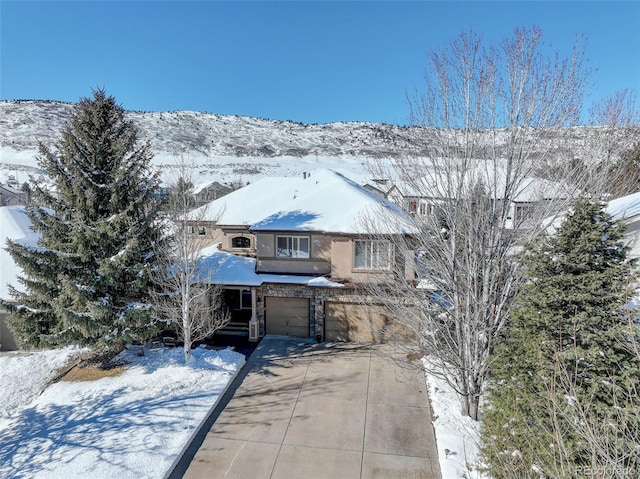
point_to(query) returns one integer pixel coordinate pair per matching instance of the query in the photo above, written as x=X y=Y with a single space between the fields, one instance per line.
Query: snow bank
x=133 y=425
x=457 y=436
x=23 y=377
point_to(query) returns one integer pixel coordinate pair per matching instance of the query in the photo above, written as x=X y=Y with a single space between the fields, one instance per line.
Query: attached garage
x=353 y=322
x=287 y=316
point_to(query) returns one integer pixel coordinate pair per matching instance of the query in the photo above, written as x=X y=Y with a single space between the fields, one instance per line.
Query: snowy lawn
x=132 y=425
x=457 y=434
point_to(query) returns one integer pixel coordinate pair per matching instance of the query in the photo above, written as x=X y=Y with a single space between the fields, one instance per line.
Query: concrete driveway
x=331 y=410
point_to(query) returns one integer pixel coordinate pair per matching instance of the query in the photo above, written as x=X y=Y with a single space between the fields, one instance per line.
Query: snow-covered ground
x=24 y=376
x=457 y=436
x=137 y=424
x=132 y=425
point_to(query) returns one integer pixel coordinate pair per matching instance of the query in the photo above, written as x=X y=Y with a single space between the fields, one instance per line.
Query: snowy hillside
x=23 y=123
x=229 y=148
x=224 y=147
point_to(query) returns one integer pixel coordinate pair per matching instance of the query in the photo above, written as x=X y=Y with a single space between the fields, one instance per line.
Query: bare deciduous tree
x=616 y=145
x=185 y=294
x=617 y=116
x=488 y=110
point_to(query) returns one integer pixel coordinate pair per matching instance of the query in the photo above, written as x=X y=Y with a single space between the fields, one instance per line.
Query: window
x=292 y=246
x=372 y=254
x=522 y=212
x=200 y=230
x=240 y=242
x=245 y=299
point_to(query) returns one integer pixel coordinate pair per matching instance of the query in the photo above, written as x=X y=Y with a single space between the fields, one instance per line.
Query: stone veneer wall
x=316 y=295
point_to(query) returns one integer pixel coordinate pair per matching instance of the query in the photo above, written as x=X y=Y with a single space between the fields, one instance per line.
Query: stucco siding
x=318 y=263
x=266 y=245
x=293 y=266
x=341 y=258
x=342 y=267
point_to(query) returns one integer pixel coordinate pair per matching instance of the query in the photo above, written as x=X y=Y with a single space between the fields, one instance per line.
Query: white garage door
x=352 y=322
x=287 y=316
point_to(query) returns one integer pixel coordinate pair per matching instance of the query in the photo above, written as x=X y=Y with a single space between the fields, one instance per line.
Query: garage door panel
x=353 y=322
x=287 y=316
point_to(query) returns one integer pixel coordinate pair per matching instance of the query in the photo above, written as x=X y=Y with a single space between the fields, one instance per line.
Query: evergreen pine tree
x=565 y=367
x=87 y=281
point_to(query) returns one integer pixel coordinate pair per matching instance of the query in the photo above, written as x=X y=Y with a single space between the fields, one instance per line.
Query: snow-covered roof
x=16 y=226
x=227 y=268
x=325 y=201
x=626 y=207
x=438 y=184
x=10 y=189
x=230 y=270
x=203 y=186
x=535 y=189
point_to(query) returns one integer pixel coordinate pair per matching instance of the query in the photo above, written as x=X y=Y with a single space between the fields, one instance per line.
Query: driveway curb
x=181 y=464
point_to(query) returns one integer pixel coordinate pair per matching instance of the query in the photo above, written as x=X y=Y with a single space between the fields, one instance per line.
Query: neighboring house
x=380 y=187
x=10 y=196
x=309 y=244
x=415 y=201
x=14 y=225
x=161 y=193
x=424 y=196
x=627 y=209
x=204 y=193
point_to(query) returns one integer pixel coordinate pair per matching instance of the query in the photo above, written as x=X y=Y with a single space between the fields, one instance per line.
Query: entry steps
x=235 y=328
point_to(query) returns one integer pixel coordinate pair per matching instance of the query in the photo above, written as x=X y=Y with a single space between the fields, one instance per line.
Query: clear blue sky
x=305 y=61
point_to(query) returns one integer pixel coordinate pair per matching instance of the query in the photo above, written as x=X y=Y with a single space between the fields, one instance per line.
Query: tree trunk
x=187 y=352
x=186 y=332
x=471 y=404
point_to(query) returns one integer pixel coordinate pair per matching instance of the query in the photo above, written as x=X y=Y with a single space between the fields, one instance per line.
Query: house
x=627 y=208
x=10 y=195
x=301 y=246
x=423 y=196
x=204 y=193
x=14 y=225
x=161 y=192
x=289 y=253
x=379 y=186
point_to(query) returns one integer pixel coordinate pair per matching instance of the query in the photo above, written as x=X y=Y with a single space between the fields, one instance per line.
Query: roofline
x=332 y=233
x=308 y=232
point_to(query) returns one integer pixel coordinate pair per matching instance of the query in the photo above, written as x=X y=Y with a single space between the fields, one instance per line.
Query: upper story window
x=292 y=246
x=196 y=230
x=522 y=212
x=372 y=254
x=240 y=242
